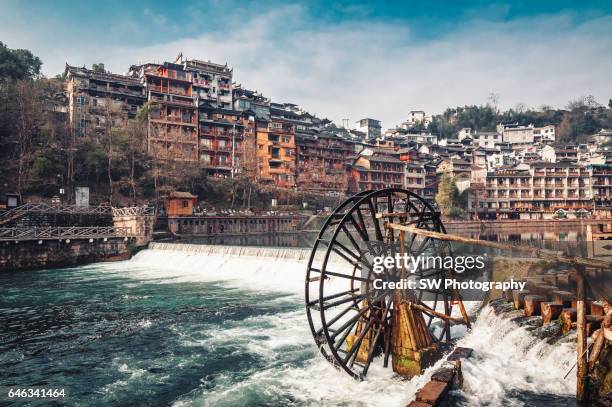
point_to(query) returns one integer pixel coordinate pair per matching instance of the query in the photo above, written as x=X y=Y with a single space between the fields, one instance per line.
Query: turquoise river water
x=188 y=329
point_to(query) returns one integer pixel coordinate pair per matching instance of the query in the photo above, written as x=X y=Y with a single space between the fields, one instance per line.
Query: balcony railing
x=69 y=233
x=201 y=82
x=173 y=91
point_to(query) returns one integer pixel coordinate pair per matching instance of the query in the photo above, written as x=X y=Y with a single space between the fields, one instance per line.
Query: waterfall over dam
x=278 y=253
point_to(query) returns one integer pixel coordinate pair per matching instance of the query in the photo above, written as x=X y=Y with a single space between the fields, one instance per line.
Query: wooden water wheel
x=355 y=318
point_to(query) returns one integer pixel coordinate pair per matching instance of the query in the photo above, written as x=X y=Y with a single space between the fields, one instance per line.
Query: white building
x=464 y=133
x=518 y=136
x=416 y=117
x=486 y=139
x=370 y=127
x=545 y=134
x=556 y=154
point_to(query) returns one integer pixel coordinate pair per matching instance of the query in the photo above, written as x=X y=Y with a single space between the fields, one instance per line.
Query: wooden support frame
x=581 y=338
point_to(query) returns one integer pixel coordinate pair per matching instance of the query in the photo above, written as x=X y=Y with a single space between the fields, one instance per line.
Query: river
x=185 y=328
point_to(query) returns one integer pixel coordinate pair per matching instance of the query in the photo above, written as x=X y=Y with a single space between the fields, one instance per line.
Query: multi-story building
x=321 y=163
x=226 y=138
x=173 y=123
x=601 y=183
x=414 y=177
x=545 y=134
x=416 y=118
x=182 y=92
x=100 y=100
x=537 y=190
x=406 y=136
x=431 y=181
x=477 y=189
x=486 y=139
x=518 y=136
x=211 y=82
x=554 y=154
x=455 y=167
x=371 y=127
x=275 y=151
x=245 y=99
x=371 y=171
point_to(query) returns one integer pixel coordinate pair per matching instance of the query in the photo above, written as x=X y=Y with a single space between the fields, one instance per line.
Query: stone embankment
x=37 y=254
x=44 y=242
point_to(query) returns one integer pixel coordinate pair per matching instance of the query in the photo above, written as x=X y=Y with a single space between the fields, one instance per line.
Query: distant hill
x=581 y=119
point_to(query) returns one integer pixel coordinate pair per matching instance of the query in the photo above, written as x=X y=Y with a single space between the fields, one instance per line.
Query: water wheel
x=357 y=320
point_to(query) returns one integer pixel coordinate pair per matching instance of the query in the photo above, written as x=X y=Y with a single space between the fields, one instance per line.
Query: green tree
x=448 y=197
x=99 y=67
x=447 y=194
x=18 y=64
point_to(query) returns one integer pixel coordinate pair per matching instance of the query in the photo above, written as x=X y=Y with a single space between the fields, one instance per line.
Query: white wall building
x=464 y=133
x=515 y=134
x=370 y=127
x=416 y=117
x=486 y=139
x=545 y=134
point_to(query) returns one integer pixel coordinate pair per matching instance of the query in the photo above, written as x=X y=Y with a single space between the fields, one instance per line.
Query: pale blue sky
x=343 y=59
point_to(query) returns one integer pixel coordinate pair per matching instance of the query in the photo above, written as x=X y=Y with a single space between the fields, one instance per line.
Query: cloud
x=369 y=68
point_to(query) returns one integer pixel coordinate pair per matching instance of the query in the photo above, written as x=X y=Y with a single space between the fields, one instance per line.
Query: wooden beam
x=430 y=311
x=396 y=215
x=581 y=380
x=541 y=253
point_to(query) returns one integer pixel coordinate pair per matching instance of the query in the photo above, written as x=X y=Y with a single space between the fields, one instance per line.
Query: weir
x=246 y=251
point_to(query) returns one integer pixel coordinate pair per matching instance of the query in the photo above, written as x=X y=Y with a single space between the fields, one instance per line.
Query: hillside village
x=192 y=116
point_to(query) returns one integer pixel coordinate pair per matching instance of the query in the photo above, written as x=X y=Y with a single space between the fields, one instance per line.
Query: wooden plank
x=532 y=304
x=550 y=311
x=429 y=311
x=581 y=340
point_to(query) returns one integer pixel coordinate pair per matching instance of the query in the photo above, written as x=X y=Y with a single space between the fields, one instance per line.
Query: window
x=185 y=203
x=80 y=100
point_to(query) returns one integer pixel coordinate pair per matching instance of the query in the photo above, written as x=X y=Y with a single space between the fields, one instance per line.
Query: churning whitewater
x=224 y=327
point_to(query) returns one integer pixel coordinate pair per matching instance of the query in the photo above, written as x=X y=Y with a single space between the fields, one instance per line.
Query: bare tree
x=111 y=138
x=136 y=138
x=28 y=114
x=588 y=102
x=493 y=101
x=521 y=107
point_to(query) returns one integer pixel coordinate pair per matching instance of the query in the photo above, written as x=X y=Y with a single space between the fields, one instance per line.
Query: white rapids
x=506 y=357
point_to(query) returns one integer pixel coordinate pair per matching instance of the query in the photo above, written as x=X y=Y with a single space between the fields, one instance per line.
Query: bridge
x=125 y=222
x=63 y=233
x=43 y=208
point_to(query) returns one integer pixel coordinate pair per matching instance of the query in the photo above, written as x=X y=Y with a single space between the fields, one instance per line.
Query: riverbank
x=38 y=254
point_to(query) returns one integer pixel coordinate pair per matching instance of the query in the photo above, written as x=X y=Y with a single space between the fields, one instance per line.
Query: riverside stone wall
x=35 y=254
